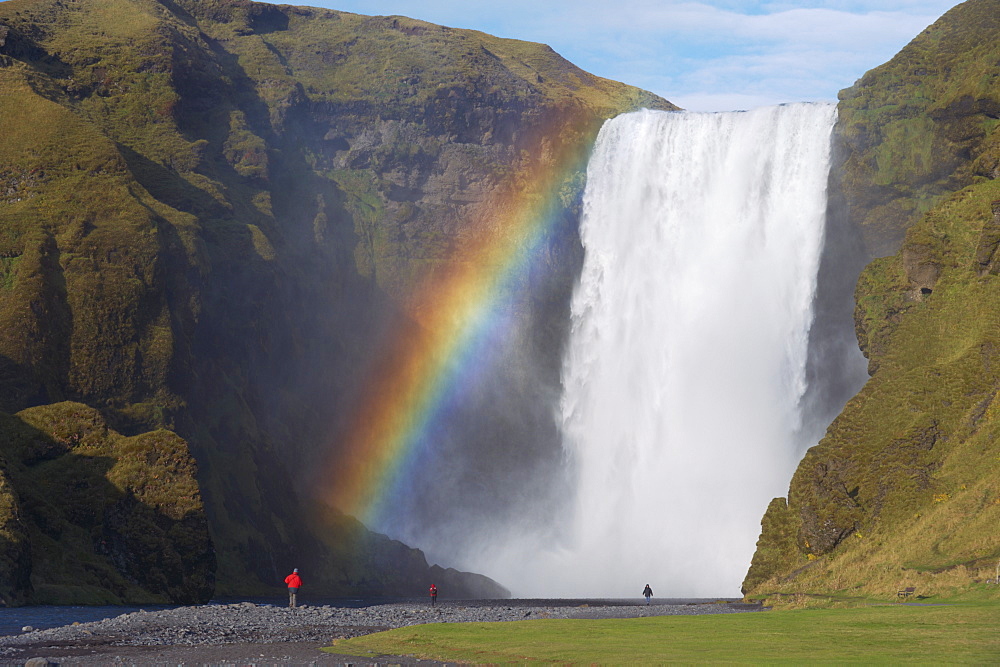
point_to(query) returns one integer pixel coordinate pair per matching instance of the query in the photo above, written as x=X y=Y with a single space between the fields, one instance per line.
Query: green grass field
x=949 y=633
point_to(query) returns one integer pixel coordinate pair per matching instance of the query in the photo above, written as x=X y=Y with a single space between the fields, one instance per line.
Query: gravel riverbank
x=246 y=633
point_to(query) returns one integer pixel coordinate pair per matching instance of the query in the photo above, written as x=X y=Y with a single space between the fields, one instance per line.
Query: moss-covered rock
x=777 y=546
x=109 y=519
x=15 y=549
x=901 y=489
x=921 y=126
x=911 y=464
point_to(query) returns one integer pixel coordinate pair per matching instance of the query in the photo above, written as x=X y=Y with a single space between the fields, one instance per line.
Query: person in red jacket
x=434 y=595
x=294 y=582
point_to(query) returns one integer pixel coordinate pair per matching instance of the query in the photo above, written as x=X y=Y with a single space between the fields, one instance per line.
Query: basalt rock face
x=213 y=212
x=905 y=486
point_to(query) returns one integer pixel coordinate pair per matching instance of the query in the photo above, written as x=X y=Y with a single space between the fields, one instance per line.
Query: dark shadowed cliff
x=211 y=213
x=904 y=489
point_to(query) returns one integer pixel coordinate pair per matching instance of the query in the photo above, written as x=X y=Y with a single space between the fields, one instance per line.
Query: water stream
x=686 y=366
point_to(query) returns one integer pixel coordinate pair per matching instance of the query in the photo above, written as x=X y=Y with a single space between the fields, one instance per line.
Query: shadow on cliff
x=37 y=327
x=266 y=354
x=167 y=186
x=15 y=564
x=19 y=387
x=836 y=369
x=73 y=498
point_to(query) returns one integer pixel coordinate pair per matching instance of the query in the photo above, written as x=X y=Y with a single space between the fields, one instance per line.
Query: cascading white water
x=687 y=358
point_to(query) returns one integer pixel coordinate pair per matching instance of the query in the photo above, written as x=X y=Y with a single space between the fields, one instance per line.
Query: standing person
x=294 y=582
x=648 y=592
x=434 y=595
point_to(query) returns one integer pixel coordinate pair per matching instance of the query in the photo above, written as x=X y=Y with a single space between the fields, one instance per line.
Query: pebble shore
x=249 y=623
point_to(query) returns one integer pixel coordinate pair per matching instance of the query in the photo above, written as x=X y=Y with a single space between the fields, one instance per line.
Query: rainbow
x=460 y=312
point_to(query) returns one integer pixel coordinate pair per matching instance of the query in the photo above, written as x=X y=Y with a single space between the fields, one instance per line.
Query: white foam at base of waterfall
x=687 y=359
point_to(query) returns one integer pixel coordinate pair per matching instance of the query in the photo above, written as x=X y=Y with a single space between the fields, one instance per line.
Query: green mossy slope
x=106 y=519
x=904 y=489
x=922 y=125
x=211 y=211
x=15 y=549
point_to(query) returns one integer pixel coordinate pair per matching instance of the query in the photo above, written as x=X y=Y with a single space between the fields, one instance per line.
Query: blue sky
x=705 y=56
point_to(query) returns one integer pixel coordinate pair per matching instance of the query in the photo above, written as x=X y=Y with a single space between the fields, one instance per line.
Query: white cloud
x=729 y=51
x=698 y=55
x=705 y=101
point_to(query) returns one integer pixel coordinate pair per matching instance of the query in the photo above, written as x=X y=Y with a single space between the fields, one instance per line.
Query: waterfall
x=686 y=365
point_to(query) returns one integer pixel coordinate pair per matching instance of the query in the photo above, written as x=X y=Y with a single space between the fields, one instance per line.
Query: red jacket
x=293 y=580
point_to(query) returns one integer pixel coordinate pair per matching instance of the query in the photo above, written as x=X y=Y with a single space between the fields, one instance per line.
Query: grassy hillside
x=904 y=490
x=212 y=211
x=921 y=126
x=94 y=517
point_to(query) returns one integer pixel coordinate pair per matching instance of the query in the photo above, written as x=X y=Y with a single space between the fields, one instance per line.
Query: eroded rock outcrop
x=99 y=517
x=901 y=490
x=920 y=127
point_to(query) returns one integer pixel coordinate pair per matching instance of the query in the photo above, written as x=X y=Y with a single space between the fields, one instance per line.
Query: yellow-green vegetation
x=15 y=549
x=411 y=107
x=399 y=62
x=922 y=125
x=105 y=518
x=904 y=489
x=210 y=209
x=959 y=633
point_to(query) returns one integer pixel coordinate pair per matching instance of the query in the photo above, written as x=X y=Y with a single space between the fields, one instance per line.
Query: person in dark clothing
x=294 y=582
x=648 y=592
x=434 y=595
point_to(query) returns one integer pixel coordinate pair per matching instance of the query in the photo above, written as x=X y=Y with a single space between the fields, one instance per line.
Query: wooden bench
x=906 y=592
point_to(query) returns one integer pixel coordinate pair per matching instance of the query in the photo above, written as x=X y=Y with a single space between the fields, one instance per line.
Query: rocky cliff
x=905 y=487
x=91 y=516
x=211 y=212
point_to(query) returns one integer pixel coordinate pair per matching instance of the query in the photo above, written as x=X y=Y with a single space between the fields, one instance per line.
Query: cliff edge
x=905 y=487
x=211 y=211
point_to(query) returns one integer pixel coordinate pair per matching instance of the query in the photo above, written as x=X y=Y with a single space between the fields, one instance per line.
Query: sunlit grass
x=952 y=633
